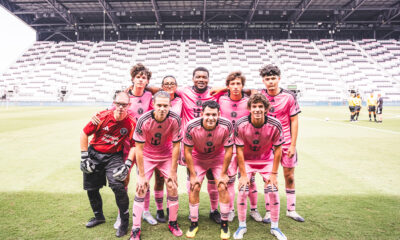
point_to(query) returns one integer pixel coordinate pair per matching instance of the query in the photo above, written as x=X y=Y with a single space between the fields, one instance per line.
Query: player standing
x=157 y=136
x=208 y=147
x=255 y=135
x=351 y=102
x=371 y=102
x=285 y=108
x=379 y=108
x=103 y=160
x=357 y=108
x=233 y=107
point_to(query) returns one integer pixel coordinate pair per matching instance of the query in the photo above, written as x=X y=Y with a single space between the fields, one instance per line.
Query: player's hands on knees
x=142 y=185
x=173 y=179
x=273 y=180
x=121 y=173
x=87 y=165
x=224 y=179
x=193 y=182
x=243 y=182
x=95 y=119
x=291 y=151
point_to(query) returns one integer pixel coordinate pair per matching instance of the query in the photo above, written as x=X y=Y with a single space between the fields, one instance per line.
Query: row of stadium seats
x=91 y=72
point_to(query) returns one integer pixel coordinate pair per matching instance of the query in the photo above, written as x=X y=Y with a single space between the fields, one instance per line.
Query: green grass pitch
x=347 y=181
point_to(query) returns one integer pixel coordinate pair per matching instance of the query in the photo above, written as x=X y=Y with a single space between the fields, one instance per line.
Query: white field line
x=352 y=124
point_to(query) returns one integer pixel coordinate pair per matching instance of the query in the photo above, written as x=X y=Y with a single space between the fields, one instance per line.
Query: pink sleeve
x=228 y=139
x=188 y=139
x=139 y=135
x=180 y=91
x=294 y=107
x=278 y=138
x=239 y=136
x=176 y=136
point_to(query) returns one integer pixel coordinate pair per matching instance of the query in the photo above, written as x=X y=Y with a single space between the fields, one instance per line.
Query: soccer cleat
x=123 y=229
x=294 y=215
x=215 y=216
x=93 y=222
x=256 y=215
x=174 y=229
x=135 y=234
x=160 y=216
x=117 y=222
x=231 y=216
x=278 y=234
x=225 y=234
x=267 y=217
x=150 y=219
x=240 y=232
x=193 y=229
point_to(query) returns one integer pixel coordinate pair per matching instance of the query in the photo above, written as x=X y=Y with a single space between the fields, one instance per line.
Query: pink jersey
x=158 y=136
x=283 y=106
x=208 y=145
x=176 y=105
x=139 y=105
x=192 y=102
x=258 y=142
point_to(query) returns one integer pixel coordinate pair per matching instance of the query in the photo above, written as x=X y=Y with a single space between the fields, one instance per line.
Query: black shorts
x=104 y=166
x=379 y=110
x=357 y=108
x=351 y=108
x=371 y=108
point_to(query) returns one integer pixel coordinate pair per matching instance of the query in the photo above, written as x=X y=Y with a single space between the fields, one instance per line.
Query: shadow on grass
x=34 y=215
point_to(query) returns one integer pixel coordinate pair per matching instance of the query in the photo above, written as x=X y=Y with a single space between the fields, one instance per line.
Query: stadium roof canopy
x=208 y=20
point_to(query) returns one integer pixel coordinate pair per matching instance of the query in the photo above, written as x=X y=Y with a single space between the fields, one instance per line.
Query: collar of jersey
x=265 y=121
x=280 y=91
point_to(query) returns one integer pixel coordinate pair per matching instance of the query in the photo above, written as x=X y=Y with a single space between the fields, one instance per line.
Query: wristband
x=84 y=154
x=128 y=163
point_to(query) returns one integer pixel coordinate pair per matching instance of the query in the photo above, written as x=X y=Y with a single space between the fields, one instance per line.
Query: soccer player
x=233 y=107
x=103 y=160
x=371 y=102
x=379 y=108
x=351 y=102
x=285 y=108
x=208 y=147
x=192 y=100
x=357 y=108
x=255 y=137
x=157 y=136
x=169 y=85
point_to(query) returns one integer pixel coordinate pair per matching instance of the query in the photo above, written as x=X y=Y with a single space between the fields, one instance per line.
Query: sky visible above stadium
x=16 y=38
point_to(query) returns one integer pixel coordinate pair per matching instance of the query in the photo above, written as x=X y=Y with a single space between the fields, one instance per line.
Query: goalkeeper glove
x=121 y=172
x=87 y=165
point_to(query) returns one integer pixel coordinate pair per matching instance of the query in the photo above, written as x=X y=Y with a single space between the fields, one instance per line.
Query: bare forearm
x=175 y=155
x=240 y=159
x=189 y=160
x=294 y=129
x=227 y=159
x=153 y=89
x=139 y=158
x=277 y=159
x=131 y=154
x=84 y=139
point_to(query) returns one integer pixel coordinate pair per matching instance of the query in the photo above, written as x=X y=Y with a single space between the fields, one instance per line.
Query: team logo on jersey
x=198 y=103
x=123 y=131
x=209 y=144
x=188 y=136
x=106 y=128
x=233 y=114
x=140 y=110
x=271 y=109
x=256 y=142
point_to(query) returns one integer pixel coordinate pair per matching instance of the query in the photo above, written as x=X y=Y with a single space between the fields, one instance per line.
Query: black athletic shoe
x=160 y=217
x=215 y=216
x=122 y=229
x=93 y=222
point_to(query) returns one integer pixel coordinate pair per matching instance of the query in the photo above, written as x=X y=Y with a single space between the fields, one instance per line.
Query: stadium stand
x=86 y=71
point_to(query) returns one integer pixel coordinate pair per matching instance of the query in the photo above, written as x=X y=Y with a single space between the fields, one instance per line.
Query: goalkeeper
x=103 y=160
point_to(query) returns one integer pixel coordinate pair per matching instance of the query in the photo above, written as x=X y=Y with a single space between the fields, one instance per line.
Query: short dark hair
x=168 y=76
x=210 y=104
x=202 y=69
x=233 y=75
x=140 y=69
x=270 y=70
x=258 y=98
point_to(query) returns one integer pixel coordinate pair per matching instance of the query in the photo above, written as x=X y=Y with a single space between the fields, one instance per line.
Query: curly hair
x=140 y=69
x=258 y=98
x=270 y=70
x=233 y=75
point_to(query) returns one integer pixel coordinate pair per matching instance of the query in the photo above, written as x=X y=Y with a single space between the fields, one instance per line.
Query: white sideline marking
x=352 y=124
